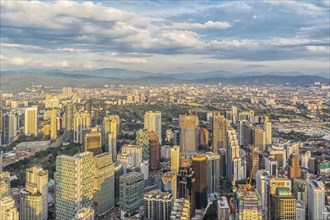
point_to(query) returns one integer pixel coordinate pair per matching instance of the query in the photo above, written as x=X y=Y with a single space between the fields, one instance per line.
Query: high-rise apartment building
x=188 y=133
x=8 y=210
x=284 y=204
x=53 y=124
x=9 y=127
x=200 y=168
x=104 y=184
x=294 y=166
x=316 y=199
x=248 y=204
x=261 y=178
x=31 y=121
x=93 y=142
x=34 y=198
x=154 y=151
x=219 y=131
x=82 y=120
x=109 y=132
x=112 y=146
x=74 y=184
x=131 y=192
x=259 y=138
x=223 y=208
x=169 y=183
x=4 y=184
x=213 y=170
x=67 y=91
x=175 y=158
x=135 y=151
x=203 y=137
x=69 y=120
x=158 y=205
x=233 y=156
x=142 y=139
x=153 y=122
x=253 y=161
x=268 y=130
x=181 y=209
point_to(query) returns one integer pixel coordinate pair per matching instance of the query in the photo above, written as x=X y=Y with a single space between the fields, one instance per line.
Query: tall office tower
x=253 y=161
x=131 y=192
x=175 y=158
x=271 y=166
x=200 y=168
x=229 y=116
x=104 y=183
x=34 y=198
x=112 y=145
x=284 y=204
x=88 y=106
x=213 y=167
x=153 y=122
x=154 y=151
x=53 y=124
x=67 y=91
x=69 y=120
x=93 y=142
x=248 y=204
x=300 y=210
x=158 y=205
x=268 y=130
x=31 y=121
x=74 y=184
x=219 y=131
x=188 y=133
x=1 y=127
x=117 y=119
x=118 y=173
x=259 y=139
x=272 y=183
x=135 y=151
x=203 y=137
x=299 y=190
x=316 y=190
x=181 y=209
x=4 y=184
x=186 y=184
x=109 y=126
x=304 y=157
x=291 y=148
x=85 y=213
x=169 y=183
x=241 y=133
x=248 y=134
x=8 y=210
x=144 y=168
x=142 y=139
x=234 y=110
x=232 y=155
x=223 y=208
x=82 y=120
x=9 y=127
x=261 y=178
x=294 y=166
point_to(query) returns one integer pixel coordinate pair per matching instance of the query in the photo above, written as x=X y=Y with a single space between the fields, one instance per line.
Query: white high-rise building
x=82 y=120
x=268 y=129
x=235 y=168
x=8 y=210
x=261 y=177
x=31 y=121
x=135 y=151
x=316 y=199
x=153 y=122
x=74 y=184
x=34 y=198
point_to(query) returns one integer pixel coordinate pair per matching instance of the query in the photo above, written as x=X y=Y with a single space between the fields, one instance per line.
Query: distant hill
x=18 y=80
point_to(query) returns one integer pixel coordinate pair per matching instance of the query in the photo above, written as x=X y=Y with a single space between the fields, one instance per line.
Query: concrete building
x=259 y=138
x=154 y=151
x=109 y=131
x=200 y=168
x=284 y=204
x=9 y=128
x=142 y=139
x=268 y=130
x=253 y=161
x=34 y=198
x=261 y=178
x=93 y=141
x=85 y=213
x=69 y=120
x=219 y=132
x=235 y=158
x=175 y=158
x=104 y=184
x=74 y=184
x=53 y=124
x=300 y=210
x=131 y=192
x=4 y=184
x=118 y=173
x=158 y=205
x=31 y=121
x=271 y=166
x=188 y=133
x=8 y=210
x=223 y=208
x=82 y=121
x=299 y=190
x=294 y=166
x=213 y=167
x=135 y=151
x=316 y=191
x=248 y=204
x=169 y=183
x=181 y=209
x=203 y=137
x=153 y=122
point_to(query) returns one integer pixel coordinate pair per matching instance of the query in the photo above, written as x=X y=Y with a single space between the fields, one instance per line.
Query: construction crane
x=248 y=182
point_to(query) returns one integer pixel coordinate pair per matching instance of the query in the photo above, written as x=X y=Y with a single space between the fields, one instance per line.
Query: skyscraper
x=213 y=167
x=203 y=137
x=82 y=120
x=142 y=139
x=284 y=204
x=261 y=178
x=69 y=120
x=112 y=145
x=248 y=204
x=154 y=151
x=104 y=183
x=219 y=130
x=74 y=184
x=109 y=128
x=9 y=127
x=294 y=166
x=268 y=130
x=253 y=161
x=136 y=153
x=8 y=210
x=4 y=184
x=175 y=158
x=259 y=138
x=93 y=142
x=316 y=190
x=169 y=183
x=131 y=192
x=34 y=198
x=153 y=122
x=186 y=184
x=53 y=124
x=188 y=133
x=233 y=158
x=158 y=205
x=31 y=121
x=200 y=168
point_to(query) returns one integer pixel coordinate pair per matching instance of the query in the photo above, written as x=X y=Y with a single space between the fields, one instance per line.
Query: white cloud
x=19 y=60
x=318 y=49
x=128 y=60
x=208 y=24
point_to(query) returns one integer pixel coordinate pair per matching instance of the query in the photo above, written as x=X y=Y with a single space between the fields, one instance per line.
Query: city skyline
x=168 y=37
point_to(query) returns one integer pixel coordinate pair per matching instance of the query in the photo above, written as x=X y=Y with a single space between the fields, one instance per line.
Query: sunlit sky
x=166 y=36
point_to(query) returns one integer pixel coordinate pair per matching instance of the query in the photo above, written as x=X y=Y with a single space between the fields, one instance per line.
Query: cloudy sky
x=166 y=36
